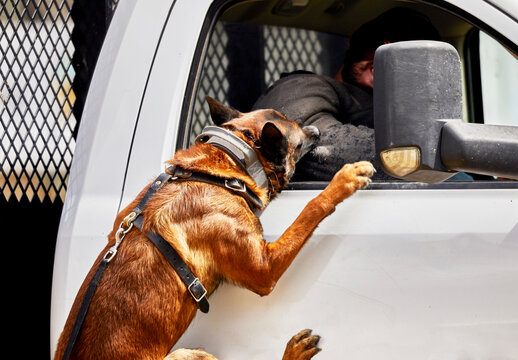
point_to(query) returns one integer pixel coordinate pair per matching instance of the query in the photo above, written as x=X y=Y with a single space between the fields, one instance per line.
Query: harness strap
x=195 y=287
x=159 y=182
x=84 y=308
x=235 y=185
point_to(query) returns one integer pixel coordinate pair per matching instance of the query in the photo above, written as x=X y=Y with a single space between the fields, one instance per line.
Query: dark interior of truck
x=250 y=44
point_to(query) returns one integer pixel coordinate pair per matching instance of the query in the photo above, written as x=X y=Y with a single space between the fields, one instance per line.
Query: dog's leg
x=260 y=265
x=346 y=181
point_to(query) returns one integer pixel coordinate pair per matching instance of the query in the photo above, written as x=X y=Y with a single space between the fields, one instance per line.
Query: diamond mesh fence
x=37 y=98
x=290 y=49
x=214 y=72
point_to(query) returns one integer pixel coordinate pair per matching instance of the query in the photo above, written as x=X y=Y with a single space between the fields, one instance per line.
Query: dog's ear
x=273 y=144
x=221 y=113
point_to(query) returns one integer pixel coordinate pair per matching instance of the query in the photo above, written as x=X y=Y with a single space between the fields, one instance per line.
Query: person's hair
x=396 y=24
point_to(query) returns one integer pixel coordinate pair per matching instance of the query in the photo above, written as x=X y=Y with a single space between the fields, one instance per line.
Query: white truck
x=415 y=269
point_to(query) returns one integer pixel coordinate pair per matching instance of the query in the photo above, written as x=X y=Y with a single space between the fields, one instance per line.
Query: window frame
x=472 y=64
x=475 y=106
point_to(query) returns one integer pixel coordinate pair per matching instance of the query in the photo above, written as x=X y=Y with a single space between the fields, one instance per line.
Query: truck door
x=401 y=270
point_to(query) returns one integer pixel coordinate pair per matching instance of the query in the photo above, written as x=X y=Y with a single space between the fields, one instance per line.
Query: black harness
x=193 y=284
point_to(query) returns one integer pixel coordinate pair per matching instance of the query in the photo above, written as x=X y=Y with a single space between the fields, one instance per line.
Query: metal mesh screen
x=283 y=50
x=37 y=98
x=290 y=49
x=213 y=81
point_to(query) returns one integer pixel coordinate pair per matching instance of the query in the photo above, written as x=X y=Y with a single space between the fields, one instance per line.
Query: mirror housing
x=419 y=132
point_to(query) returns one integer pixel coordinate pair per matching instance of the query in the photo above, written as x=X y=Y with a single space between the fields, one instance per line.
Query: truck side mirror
x=419 y=132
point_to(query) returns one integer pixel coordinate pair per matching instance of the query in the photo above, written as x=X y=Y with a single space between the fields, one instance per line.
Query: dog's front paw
x=364 y=171
x=357 y=174
x=302 y=346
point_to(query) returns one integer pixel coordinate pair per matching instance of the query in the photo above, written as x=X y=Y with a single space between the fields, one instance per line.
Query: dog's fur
x=141 y=307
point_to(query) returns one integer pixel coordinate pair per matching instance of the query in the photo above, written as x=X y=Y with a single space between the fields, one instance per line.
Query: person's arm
x=300 y=97
x=339 y=144
x=313 y=100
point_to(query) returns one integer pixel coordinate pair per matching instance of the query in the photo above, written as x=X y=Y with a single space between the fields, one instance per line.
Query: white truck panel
x=155 y=136
x=102 y=149
x=391 y=274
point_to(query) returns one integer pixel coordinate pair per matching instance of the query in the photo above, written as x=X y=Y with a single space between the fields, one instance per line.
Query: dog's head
x=279 y=142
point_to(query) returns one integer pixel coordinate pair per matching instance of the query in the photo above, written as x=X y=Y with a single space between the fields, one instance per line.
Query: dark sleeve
x=315 y=100
x=303 y=98
x=339 y=144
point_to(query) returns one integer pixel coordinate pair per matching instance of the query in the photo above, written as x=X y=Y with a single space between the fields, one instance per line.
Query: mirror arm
x=480 y=148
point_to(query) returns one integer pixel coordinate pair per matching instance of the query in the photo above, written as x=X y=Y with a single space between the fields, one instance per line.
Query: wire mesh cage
x=38 y=96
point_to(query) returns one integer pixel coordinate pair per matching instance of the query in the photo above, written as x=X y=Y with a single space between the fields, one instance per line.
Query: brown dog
x=141 y=307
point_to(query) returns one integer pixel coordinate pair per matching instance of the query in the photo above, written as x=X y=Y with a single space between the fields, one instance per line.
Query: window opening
x=499 y=75
x=272 y=50
x=242 y=60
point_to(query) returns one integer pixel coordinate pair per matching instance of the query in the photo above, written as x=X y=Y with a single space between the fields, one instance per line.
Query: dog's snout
x=312 y=134
x=311 y=131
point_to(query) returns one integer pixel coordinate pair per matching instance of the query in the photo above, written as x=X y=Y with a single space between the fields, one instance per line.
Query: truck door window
x=248 y=47
x=243 y=60
x=499 y=85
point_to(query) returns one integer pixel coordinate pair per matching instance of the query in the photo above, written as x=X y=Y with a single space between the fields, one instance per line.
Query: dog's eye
x=299 y=146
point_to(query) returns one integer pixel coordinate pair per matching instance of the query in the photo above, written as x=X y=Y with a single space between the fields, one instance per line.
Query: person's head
x=397 y=24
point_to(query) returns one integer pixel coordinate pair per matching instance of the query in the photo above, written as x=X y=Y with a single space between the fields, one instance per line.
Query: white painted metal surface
x=155 y=137
x=488 y=12
x=392 y=274
x=508 y=6
x=102 y=149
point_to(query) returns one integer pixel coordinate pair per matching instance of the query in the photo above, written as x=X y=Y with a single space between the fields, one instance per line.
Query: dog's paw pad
x=302 y=346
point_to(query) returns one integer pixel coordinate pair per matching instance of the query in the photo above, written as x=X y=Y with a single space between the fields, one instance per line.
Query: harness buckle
x=110 y=254
x=235 y=185
x=193 y=289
